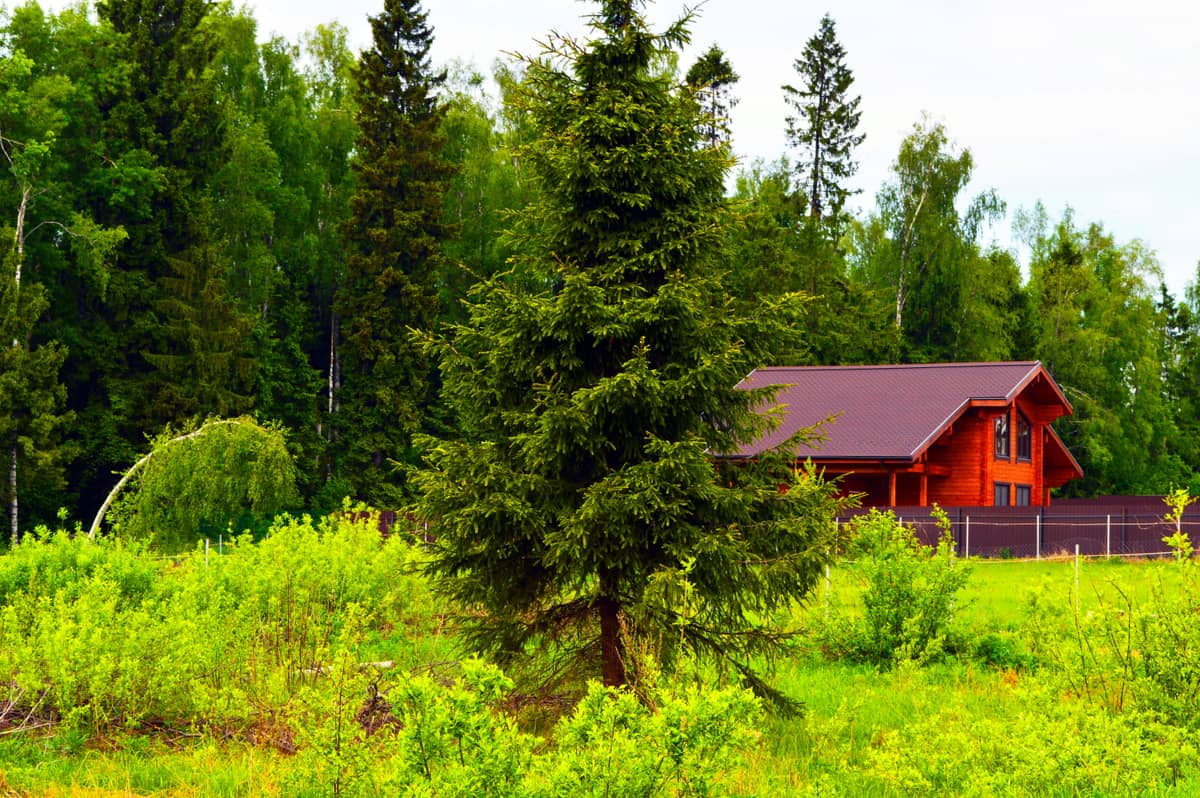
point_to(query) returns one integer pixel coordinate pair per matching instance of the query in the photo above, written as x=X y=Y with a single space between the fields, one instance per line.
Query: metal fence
x=1113 y=526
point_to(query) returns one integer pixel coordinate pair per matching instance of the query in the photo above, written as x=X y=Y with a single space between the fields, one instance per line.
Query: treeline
x=197 y=224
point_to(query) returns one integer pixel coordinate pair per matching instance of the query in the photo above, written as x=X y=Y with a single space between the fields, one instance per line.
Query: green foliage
x=1177 y=502
x=1057 y=748
x=712 y=77
x=825 y=125
x=950 y=302
x=487 y=186
x=211 y=474
x=1141 y=656
x=584 y=497
x=1004 y=651
x=909 y=595
x=393 y=236
x=98 y=635
x=375 y=734
x=1096 y=329
x=773 y=247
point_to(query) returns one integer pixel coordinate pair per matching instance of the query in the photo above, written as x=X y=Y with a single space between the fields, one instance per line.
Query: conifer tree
x=823 y=129
x=583 y=511
x=160 y=138
x=712 y=77
x=393 y=239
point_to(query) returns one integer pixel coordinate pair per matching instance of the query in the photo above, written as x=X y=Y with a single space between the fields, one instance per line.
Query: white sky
x=1089 y=103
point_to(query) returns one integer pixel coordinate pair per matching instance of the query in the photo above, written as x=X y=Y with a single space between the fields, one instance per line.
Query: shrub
x=1134 y=656
x=101 y=635
x=396 y=734
x=1056 y=747
x=908 y=598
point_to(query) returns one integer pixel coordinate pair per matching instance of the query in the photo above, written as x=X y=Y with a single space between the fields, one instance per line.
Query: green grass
x=999 y=592
x=134 y=766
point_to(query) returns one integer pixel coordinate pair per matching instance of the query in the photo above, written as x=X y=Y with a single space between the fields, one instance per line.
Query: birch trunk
x=14 y=504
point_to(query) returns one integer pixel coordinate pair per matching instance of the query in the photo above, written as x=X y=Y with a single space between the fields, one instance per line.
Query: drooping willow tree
x=210 y=474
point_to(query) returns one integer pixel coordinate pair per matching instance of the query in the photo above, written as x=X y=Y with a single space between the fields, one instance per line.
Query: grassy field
x=1033 y=691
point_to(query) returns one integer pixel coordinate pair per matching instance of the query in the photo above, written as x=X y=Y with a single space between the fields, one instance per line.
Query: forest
x=200 y=225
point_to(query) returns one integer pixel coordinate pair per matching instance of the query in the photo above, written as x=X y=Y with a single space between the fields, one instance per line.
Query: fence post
x=1038 y=542
x=206 y=552
x=1108 y=536
x=967 y=542
x=1076 y=577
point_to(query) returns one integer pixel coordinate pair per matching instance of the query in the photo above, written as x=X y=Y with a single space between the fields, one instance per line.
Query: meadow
x=316 y=661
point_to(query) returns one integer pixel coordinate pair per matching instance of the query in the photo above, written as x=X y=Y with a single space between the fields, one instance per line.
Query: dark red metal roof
x=887 y=412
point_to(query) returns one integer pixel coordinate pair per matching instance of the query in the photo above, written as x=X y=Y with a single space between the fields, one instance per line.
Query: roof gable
x=888 y=412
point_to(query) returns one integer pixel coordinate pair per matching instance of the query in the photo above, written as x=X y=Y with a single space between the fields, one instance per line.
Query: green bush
x=1053 y=747
x=1004 y=651
x=1131 y=656
x=908 y=596
x=101 y=635
x=366 y=734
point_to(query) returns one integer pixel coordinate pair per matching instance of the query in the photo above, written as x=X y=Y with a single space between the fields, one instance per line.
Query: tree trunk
x=905 y=243
x=13 y=505
x=612 y=652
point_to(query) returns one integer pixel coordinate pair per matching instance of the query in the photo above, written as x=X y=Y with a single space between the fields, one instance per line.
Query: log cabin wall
x=1016 y=471
x=966 y=453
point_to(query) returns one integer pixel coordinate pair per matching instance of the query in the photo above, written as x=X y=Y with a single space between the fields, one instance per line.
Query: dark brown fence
x=1112 y=526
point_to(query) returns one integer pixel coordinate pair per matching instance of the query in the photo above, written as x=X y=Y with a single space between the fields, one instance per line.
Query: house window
x=1024 y=493
x=1024 y=437
x=1000 y=437
x=1001 y=494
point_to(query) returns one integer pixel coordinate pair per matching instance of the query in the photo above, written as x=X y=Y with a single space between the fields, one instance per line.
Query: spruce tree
x=584 y=510
x=160 y=138
x=823 y=129
x=712 y=77
x=393 y=238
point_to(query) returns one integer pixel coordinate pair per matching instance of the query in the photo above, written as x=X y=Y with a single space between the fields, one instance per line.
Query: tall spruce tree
x=583 y=511
x=712 y=78
x=823 y=129
x=161 y=130
x=393 y=237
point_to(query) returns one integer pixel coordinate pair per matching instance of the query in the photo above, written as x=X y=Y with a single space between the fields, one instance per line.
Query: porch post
x=924 y=490
x=891 y=488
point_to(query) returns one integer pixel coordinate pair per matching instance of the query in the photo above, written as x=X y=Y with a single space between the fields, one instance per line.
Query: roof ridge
x=874 y=366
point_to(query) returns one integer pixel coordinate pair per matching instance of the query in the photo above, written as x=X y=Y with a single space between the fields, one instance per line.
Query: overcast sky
x=1093 y=104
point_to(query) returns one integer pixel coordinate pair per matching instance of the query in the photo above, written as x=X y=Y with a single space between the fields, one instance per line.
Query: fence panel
x=1097 y=526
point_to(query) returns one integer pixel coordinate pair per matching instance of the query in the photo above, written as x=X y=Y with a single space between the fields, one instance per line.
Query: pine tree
x=208 y=369
x=823 y=129
x=712 y=77
x=393 y=237
x=583 y=510
x=161 y=131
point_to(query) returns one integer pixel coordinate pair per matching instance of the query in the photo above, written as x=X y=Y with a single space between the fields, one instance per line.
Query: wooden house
x=959 y=434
